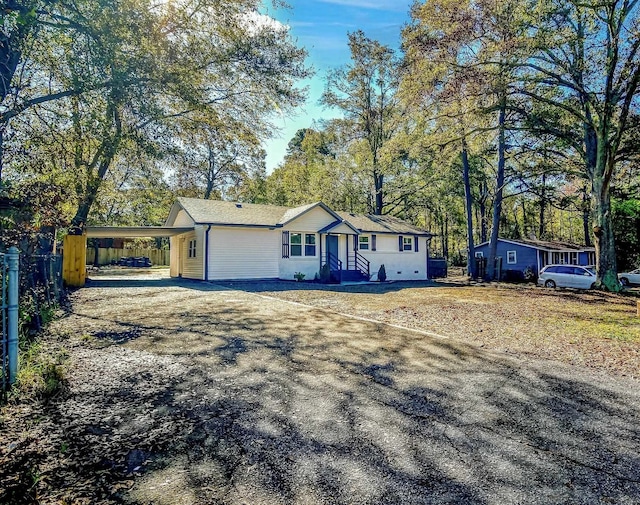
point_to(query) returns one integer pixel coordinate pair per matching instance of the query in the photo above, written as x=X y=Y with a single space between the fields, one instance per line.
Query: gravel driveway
x=186 y=393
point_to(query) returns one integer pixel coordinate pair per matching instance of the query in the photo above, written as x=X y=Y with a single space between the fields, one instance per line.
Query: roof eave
x=239 y=225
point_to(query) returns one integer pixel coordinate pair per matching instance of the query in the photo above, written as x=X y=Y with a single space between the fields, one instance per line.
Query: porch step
x=353 y=276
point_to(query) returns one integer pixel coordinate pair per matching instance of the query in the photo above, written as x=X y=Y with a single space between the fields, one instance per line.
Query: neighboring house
x=229 y=240
x=520 y=255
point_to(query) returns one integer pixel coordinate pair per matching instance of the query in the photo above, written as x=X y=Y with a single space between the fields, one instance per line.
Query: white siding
x=183 y=219
x=191 y=268
x=244 y=253
x=405 y=265
x=308 y=265
x=314 y=220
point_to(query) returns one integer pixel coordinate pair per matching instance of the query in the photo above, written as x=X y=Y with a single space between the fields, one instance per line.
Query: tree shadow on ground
x=246 y=401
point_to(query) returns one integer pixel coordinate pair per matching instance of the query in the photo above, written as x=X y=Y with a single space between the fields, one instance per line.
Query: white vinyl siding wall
x=307 y=265
x=192 y=268
x=314 y=220
x=405 y=265
x=244 y=253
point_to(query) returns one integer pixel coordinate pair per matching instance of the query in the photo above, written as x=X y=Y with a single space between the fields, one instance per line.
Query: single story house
x=229 y=240
x=520 y=255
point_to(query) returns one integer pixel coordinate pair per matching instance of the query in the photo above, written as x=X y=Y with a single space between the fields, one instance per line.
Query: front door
x=332 y=245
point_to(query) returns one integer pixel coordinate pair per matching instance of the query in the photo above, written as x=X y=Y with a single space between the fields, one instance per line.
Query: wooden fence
x=106 y=256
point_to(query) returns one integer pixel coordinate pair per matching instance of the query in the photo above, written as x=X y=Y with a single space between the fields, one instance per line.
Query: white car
x=567 y=276
x=629 y=278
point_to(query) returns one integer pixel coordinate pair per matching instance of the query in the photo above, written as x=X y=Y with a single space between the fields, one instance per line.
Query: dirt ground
x=587 y=328
x=188 y=393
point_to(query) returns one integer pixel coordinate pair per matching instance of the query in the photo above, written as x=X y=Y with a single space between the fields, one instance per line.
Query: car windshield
x=592 y=270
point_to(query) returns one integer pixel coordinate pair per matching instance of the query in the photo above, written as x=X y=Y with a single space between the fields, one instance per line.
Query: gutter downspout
x=206 y=254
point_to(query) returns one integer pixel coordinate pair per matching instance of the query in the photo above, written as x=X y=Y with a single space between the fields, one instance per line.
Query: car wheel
x=549 y=284
x=624 y=281
x=593 y=285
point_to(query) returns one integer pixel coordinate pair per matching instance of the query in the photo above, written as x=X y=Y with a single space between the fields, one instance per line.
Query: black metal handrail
x=362 y=264
x=333 y=261
x=335 y=265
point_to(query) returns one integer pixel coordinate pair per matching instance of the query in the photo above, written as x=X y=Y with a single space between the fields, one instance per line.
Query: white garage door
x=243 y=253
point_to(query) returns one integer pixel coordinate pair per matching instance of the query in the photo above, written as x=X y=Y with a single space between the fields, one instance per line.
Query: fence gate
x=9 y=283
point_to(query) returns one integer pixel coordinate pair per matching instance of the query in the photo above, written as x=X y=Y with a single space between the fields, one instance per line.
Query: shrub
x=382 y=273
x=299 y=276
x=325 y=273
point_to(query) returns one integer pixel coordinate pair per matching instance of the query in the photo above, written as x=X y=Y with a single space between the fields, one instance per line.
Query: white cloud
x=255 y=22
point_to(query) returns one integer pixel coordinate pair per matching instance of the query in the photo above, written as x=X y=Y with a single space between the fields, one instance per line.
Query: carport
x=74 y=269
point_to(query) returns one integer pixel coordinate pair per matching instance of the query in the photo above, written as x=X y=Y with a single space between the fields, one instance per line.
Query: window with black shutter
x=415 y=244
x=400 y=243
x=373 y=242
x=285 y=244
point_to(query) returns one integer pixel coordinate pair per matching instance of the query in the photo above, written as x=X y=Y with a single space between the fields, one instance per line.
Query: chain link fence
x=31 y=288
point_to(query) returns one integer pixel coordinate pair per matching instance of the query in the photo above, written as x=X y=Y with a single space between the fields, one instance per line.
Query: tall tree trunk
x=445 y=238
x=2 y=128
x=599 y=165
x=606 y=266
x=586 y=217
x=484 y=190
x=104 y=158
x=468 y=200
x=91 y=193
x=211 y=174
x=543 y=208
x=378 y=180
x=497 y=201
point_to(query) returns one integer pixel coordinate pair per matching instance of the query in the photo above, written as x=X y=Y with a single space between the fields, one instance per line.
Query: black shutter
x=285 y=244
x=400 y=243
x=373 y=242
x=355 y=242
x=415 y=245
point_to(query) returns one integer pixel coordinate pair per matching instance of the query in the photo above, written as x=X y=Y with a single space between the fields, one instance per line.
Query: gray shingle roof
x=370 y=223
x=551 y=245
x=219 y=212
x=251 y=214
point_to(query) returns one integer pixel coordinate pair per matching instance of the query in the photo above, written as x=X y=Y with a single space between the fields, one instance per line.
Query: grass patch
x=41 y=371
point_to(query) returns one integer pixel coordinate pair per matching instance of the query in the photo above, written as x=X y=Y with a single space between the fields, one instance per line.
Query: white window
x=407 y=243
x=363 y=242
x=573 y=258
x=310 y=244
x=296 y=244
x=479 y=254
x=511 y=258
x=192 y=248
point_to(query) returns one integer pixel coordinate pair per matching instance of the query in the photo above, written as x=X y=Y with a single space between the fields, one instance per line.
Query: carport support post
x=74 y=258
x=13 y=257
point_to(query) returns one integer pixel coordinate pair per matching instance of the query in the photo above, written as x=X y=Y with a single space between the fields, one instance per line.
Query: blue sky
x=321 y=26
